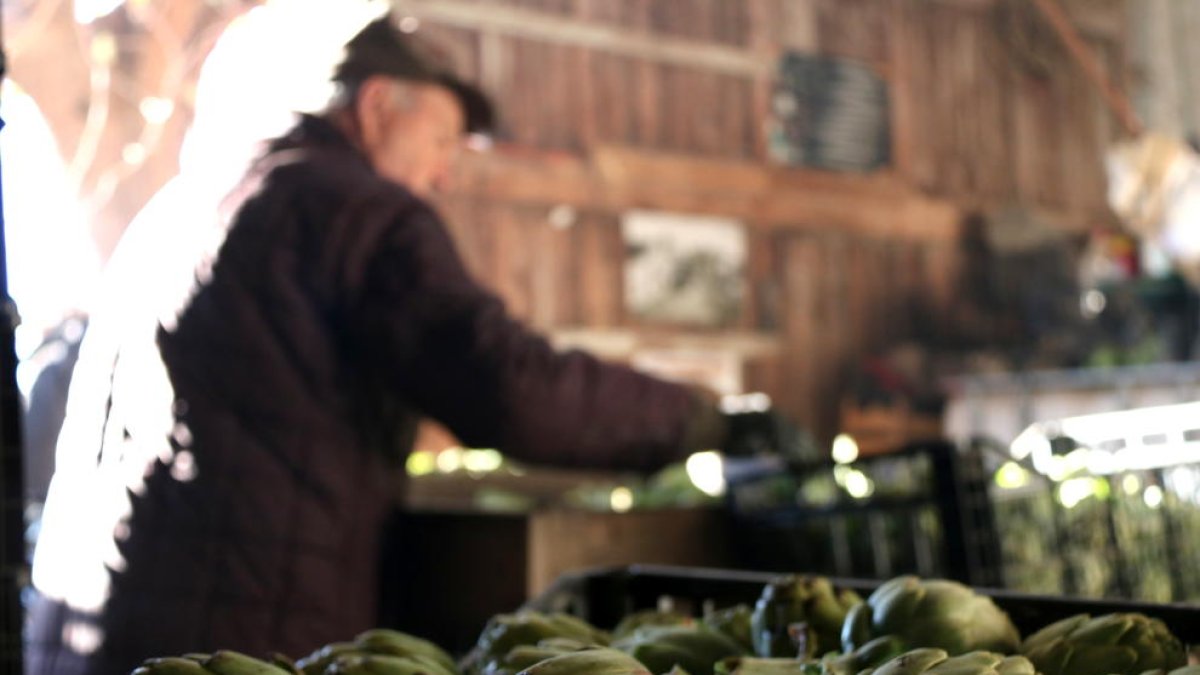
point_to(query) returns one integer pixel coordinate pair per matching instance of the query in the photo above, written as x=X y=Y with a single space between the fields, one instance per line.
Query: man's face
x=412 y=133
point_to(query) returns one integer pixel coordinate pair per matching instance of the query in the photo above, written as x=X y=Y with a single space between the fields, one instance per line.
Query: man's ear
x=373 y=105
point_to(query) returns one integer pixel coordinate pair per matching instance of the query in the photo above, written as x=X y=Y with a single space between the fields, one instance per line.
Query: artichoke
x=735 y=623
x=221 y=662
x=316 y=662
x=377 y=642
x=692 y=648
x=872 y=654
x=505 y=631
x=750 y=665
x=524 y=656
x=1121 y=644
x=596 y=661
x=384 y=664
x=1186 y=670
x=938 y=662
x=649 y=617
x=791 y=600
x=932 y=613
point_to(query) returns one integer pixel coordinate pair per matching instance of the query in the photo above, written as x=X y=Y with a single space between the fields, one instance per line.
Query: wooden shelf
x=620 y=343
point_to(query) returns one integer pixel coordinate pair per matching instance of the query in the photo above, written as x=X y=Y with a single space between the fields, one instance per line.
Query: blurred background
x=953 y=242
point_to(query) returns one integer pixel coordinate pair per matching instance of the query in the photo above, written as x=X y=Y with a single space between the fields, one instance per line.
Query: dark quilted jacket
x=336 y=311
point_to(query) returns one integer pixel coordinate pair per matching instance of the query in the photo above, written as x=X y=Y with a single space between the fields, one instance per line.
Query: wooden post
x=1092 y=68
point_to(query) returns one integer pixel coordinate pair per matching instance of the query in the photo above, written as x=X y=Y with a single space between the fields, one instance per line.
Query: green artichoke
x=751 y=665
x=384 y=664
x=649 y=617
x=735 y=623
x=868 y=656
x=524 y=656
x=221 y=662
x=932 y=613
x=377 y=642
x=1120 y=644
x=693 y=648
x=872 y=654
x=791 y=600
x=1186 y=670
x=938 y=662
x=596 y=661
x=505 y=631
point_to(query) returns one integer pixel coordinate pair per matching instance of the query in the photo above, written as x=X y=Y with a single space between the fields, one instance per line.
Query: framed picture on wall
x=683 y=269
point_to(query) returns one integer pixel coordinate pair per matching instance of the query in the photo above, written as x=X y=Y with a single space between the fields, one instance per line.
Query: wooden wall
x=609 y=105
x=839 y=264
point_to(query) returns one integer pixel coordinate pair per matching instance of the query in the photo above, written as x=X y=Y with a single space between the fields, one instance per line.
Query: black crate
x=605 y=595
x=938 y=524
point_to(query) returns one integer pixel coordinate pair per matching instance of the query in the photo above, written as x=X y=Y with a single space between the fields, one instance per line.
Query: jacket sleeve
x=451 y=350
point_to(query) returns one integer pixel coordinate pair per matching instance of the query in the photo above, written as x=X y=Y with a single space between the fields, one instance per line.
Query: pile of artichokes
x=799 y=626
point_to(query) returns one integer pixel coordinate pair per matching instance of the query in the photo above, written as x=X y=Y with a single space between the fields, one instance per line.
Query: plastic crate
x=603 y=596
x=935 y=520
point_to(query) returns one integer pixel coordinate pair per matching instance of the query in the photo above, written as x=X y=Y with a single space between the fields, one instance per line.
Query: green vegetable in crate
x=383 y=664
x=596 y=661
x=396 y=643
x=735 y=623
x=1186 y=670
x=505 y=631
x=938 y=662
x=790 y=600
x=868 y=656
x=223 y=662
x=1121 y=644
x=380 y=642
x=170 y=665
x=693 y=648
x=649 y=617
x=523 y=656
x=316 y=662
x=755 y=665
x=932 y=613
x=872 y=654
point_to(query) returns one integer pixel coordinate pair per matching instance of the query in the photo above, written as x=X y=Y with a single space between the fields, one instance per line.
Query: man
x=226 y=467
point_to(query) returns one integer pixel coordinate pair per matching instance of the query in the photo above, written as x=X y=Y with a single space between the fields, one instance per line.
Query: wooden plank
x=758 y=307
x=997 y=172
x=648 y=92
x=621 y=343
x=614 y=114
x=855 y=29
x=765 y=375
x=544 y=27
x=901 y=104
x=1091 y=66
x=583 y=78
x=600 y=270
x=801 y=328
x=512 y=278
x=860 y=295
x=567 y=541
x=763 y=24
x=917 y=47
x=772 y=197
x=561 y=247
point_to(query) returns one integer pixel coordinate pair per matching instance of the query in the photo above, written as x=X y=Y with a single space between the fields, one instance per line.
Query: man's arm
x=455 y=354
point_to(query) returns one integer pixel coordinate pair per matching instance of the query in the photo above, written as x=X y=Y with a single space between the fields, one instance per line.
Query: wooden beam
x=544 y=27
x=1103 y=21
x=616 y=178
x=621 y=343
x=1091 y=65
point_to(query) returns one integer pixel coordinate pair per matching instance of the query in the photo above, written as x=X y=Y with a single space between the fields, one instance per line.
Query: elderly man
x=227 y=464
